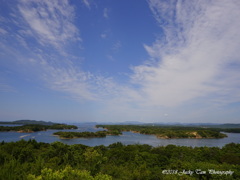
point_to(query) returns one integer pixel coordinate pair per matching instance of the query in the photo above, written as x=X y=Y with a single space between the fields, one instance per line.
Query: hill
x=25 y=121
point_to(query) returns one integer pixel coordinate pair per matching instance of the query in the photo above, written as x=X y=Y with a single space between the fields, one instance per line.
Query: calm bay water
x=126 y=138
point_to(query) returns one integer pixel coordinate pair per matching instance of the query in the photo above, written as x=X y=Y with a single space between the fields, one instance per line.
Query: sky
x=120 y=60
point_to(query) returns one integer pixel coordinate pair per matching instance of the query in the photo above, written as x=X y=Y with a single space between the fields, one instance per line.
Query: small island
x=86 y=134
x=29 y=126
x=168 y=132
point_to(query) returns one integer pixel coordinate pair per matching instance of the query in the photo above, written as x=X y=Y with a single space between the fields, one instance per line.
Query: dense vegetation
x=56 y=161
x=28 y=122
x=168 y=131
x=231 y=130
x=36 y=127
x=85 y=134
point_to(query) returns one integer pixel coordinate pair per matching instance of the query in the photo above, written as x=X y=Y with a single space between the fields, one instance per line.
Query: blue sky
x=114 y=61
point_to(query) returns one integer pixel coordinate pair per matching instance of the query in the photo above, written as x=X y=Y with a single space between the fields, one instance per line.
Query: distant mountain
x=122 y=123
x=206 y=125
x=25 y=121
x=131 y=122
x=113 y=123
x=186 y=124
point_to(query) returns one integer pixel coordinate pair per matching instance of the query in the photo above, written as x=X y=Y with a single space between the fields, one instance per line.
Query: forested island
x=27 y=121
x=33 y=160
x=164 y=132
x=34 y=126
x=168 y=132
x=70 y=135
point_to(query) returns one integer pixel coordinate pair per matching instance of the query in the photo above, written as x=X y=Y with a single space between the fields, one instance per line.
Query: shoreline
x=197 y=136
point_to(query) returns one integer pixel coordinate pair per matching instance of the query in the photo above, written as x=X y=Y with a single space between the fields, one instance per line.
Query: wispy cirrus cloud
x=50 y=23
x=2 y=31
x=116 y=46
x=103 y=35
x=87 y=3
x=46 y=30
x=105 y=13
x=194 y=60
x=196 y=56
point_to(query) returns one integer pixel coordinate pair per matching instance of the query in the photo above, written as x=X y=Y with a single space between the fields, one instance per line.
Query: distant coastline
x=174 y=132
x=29 y=126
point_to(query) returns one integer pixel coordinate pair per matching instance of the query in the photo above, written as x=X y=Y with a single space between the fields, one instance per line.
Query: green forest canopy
x=168 y=131
x=57 y=161
x=36 y=127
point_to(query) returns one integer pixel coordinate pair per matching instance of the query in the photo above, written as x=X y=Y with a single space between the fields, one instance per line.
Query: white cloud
x=70 y=81
x=50 y=22
x=105 y=13
x=106 y=34
x=116 y=46
x=103 y=35
x=110 y=57
x=201 y=39
x=45 y=29
x=87 y=3
x=196 y=59
x=2 y=31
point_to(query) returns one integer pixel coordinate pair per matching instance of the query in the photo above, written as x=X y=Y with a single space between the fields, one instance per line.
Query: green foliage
x=168 y=131
x=86 y=134
x=67 y=174
x=36 y=127
x=232 y=130
x=42 y=161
